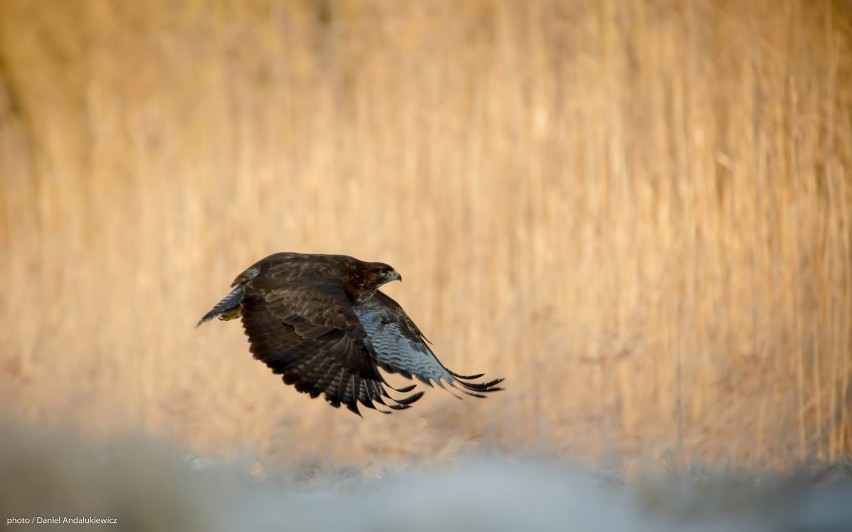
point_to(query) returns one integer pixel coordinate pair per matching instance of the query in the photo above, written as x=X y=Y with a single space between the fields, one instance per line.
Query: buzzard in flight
x=321 y=322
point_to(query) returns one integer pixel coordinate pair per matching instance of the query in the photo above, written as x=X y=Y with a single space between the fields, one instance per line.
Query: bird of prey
x=321 y=322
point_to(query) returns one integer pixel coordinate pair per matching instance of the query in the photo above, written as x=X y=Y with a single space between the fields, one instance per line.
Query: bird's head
x=381 y=273
x=364 y=278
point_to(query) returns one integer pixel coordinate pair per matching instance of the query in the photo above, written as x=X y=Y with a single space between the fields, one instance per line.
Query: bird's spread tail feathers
x=227 y=309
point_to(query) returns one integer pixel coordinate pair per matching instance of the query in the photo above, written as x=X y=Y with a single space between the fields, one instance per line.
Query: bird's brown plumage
x=321 y=322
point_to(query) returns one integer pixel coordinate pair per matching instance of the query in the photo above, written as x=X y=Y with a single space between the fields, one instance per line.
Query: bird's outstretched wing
x=305 y=330
x=400 y=347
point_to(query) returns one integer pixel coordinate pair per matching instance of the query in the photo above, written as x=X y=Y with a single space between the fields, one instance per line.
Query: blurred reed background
x=637 y=212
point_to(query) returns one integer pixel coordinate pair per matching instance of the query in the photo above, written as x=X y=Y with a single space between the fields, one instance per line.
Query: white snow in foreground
x=477 y=495
x=151 y=486
x=507 y=493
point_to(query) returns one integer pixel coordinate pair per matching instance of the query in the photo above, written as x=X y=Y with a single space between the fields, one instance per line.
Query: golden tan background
x=637 y=212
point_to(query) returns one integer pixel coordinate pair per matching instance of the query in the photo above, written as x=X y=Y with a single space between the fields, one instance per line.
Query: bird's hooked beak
x=395 y=276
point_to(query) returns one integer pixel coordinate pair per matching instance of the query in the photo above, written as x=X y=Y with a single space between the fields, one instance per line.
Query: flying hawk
x=321 y=322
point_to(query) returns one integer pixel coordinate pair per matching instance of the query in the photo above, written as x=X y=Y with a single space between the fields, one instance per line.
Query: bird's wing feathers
x=305 y=330
x=400 y=347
